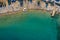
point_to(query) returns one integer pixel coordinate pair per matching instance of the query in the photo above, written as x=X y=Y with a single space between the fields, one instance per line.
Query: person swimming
x=25 y=9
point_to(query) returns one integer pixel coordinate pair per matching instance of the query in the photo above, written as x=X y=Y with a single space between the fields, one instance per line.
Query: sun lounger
x=43 y=5
x=16 y=6
x=30 y=5
x=3 y=10
x=10 y=9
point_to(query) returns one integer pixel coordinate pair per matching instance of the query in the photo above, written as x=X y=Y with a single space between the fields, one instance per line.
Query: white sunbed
x=10 y=9
x=16 y=6
x=16 y=9
x=3 y=10
x=58 y=8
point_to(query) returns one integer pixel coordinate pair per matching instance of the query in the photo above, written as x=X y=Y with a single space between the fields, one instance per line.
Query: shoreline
x=10 y=13
x=20 y=11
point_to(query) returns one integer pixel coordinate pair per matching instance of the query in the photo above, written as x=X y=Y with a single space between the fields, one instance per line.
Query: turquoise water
x=57 y=19
x=34 y=25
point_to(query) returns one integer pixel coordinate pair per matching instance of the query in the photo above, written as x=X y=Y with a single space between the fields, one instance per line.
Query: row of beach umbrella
x=11 y=7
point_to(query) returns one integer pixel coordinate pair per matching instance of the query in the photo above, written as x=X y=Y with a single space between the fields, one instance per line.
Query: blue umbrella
x=57 y=0
x=13 y=0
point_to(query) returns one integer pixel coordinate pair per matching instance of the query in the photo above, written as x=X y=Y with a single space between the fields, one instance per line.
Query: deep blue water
x=28 y=26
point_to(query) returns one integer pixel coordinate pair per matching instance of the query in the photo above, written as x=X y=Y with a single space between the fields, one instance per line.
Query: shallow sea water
x=34 y=25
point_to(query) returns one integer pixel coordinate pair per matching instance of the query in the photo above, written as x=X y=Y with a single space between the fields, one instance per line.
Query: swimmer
x=25 y=9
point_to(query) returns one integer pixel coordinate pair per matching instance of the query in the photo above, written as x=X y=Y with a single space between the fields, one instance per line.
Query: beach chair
x=57 y=4
x=3 y=10
x=34 y=4
x=10 y=9
x=38 y=5
x=58 y=9
x=49 y=8
x=30 y=5
x=16 y=6
x=43 y=5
